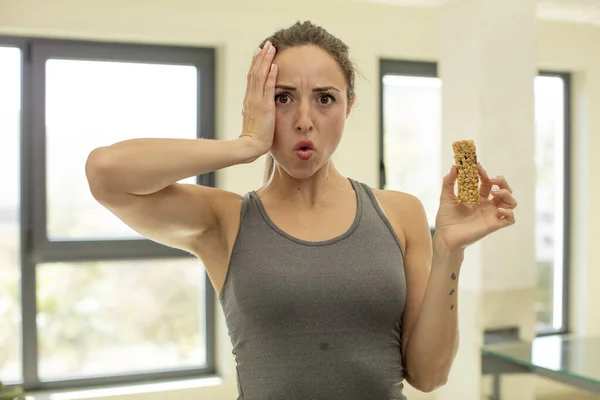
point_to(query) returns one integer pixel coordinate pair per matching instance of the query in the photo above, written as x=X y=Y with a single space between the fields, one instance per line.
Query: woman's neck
x=308 y=192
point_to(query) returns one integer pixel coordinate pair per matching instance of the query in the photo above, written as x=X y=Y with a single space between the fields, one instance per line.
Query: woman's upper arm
x=176 y=216
x=417 y=263
x=408 y=218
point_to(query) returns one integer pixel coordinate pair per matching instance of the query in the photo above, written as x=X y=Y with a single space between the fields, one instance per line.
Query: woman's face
x=311 y=109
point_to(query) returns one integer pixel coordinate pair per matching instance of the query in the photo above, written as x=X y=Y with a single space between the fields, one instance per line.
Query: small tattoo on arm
x=453 y=276
x=451 y=292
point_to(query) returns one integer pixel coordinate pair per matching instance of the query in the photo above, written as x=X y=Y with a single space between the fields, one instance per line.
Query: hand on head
x=259 y=105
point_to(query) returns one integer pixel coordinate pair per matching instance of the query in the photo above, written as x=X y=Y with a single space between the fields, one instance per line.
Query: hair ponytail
x=269 y=165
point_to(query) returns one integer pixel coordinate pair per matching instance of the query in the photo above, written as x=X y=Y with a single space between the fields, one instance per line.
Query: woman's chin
x=301 y=171
x=302 y=174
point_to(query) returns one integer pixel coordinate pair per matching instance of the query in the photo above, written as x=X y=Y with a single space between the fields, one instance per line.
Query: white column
x=487 y=67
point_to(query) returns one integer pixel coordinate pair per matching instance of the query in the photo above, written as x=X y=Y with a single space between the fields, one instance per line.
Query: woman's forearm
x=433 y=341
x=144 y=166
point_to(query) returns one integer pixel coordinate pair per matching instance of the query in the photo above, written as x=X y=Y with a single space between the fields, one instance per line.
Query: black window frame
x=567 y=195
x=429 y=69
x=36 y=248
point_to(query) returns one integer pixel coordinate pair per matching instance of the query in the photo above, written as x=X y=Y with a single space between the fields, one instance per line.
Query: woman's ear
x=349 y=107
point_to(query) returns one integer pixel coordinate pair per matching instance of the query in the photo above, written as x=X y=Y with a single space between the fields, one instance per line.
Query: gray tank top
x=316 y=320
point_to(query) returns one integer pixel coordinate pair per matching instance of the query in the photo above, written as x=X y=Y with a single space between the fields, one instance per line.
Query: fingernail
x=495 y=188
x=257 y=51
x=491 y=177
x=268 y=45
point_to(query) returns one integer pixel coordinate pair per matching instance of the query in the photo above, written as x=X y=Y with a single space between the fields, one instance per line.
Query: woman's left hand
x=460 y=225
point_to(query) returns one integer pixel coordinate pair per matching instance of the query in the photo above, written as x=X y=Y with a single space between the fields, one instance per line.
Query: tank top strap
x=365 y=193
x=374 y=210
x=246 y=200
x=250 y=213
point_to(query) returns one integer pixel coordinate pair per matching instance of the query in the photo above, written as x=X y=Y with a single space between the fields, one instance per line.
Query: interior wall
x=373 y=31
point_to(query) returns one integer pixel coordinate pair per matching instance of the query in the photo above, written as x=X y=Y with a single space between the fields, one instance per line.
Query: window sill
x=116 y=391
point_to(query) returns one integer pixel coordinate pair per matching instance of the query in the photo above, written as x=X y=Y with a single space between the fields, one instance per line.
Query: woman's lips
x=304 y=154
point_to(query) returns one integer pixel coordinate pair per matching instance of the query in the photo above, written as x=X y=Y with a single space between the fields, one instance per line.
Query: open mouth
x=304 y=145
x=304 y=150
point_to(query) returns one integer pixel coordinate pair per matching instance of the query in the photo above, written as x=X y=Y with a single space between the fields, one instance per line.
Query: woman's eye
x=326 y=99
x=282 y=98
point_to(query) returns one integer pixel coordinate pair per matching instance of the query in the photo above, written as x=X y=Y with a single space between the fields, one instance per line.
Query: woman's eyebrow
x=316 y=89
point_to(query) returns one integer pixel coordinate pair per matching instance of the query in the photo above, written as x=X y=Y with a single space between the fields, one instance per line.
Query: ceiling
x=579 y=11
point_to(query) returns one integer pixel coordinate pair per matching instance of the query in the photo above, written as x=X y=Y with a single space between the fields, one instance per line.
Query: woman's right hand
x=259 y=102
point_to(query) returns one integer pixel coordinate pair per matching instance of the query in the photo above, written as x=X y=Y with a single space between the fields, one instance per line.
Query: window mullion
x=29 y=343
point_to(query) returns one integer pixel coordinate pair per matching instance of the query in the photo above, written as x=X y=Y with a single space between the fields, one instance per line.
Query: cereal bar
x=465 y=158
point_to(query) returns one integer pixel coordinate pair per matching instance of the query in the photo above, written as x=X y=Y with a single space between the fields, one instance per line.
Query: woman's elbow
x=427 y=383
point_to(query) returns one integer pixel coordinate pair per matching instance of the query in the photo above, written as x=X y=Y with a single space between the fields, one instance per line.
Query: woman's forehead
x=310 y=64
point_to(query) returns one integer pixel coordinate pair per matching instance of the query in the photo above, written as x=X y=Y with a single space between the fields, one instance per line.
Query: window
x=10 y=272
x=411 y=100
x=95 y=103
x=410 y=148
x=552 y=149
x=100 y=304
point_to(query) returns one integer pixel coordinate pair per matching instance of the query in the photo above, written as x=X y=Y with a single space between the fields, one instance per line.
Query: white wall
x=577 y=49
x=372 y=31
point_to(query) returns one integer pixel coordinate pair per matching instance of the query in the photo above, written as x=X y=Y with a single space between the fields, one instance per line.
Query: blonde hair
x=307 y=33
x=269 y=167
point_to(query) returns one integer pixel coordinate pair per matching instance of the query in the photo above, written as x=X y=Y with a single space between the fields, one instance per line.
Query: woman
x=330 y=289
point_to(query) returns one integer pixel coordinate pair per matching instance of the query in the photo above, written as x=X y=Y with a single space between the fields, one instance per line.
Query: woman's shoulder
x=395 y=199
x=402 y=209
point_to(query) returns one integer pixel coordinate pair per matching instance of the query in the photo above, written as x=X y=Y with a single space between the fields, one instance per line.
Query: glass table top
x=577 y=357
